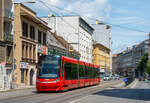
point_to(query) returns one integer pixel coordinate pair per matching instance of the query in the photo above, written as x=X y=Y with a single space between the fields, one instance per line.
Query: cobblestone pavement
x=140 y=93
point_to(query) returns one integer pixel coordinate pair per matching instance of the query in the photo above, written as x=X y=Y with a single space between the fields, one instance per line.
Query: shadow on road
x=137 y=94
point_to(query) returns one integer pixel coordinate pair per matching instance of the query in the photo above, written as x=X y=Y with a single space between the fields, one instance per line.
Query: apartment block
x=6 y=43
x=127 y=61
x=101 y=56
x=30 y=42
x=76 y=31
x=103 y=37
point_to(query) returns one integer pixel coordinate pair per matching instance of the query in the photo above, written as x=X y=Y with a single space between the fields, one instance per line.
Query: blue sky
x=133 y=14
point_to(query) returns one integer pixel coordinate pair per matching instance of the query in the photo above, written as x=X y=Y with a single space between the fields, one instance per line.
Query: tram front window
x=49 y=67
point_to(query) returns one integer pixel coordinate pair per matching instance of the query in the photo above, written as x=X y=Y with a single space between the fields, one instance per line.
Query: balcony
x=8 y=37
x=8 y=14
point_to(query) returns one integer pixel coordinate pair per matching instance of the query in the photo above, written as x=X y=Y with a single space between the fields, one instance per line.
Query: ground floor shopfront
x=26 y=74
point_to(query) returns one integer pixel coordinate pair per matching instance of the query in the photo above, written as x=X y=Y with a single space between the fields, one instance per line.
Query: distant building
x=6 y=42
x=102 y=35
x=138 y=51
x=76 y=32
x=114 y=64
x=127 y=61
x=101 y=56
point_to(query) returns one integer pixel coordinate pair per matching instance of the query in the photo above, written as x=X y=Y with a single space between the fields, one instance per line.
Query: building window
x=39 y=37
x=9 y=51
x=30 y=53
x=32 y=32
x=44 y=38
x=34 y=53
x=22 y=75
x=23 y=51
x=26 y=51
x=24 y=29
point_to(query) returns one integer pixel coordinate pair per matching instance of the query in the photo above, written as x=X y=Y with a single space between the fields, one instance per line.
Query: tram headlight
x=38 y=81
x=55 y=81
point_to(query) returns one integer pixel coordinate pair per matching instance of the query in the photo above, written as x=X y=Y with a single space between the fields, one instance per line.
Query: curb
x=16 y=89
x=133 y=84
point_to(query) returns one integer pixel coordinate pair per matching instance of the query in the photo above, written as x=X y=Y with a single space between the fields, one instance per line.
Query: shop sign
x=3 y=63
x=42 y=49
x=24 y=65
x=102 y=70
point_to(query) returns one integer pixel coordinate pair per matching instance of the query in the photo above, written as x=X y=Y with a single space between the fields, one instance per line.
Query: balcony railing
x=8 y=37
x=8 y=14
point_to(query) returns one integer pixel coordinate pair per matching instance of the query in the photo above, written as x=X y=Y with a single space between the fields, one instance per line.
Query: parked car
x=148 y=78
x=106 y=78
x=141 y=79
x=117 y=77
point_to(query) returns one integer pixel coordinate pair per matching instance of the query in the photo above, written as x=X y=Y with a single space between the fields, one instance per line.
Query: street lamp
x=67 y=44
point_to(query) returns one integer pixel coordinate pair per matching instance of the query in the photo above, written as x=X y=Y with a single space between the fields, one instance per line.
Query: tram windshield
x=49 y=67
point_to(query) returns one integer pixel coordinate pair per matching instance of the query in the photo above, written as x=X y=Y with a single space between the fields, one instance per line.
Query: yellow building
x=30 y=41
x=101 y=56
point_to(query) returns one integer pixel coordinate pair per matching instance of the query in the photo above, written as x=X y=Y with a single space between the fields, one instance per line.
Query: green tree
x=147 y=70
x=142 y=63
x=52 y=15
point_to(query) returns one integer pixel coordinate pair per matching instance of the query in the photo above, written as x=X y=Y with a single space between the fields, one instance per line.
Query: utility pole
x=149 y=47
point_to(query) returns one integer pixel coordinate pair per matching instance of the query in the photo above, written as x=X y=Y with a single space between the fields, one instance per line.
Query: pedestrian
x=125 y=81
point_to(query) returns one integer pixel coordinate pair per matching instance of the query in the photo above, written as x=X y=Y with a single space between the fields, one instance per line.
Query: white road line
x=134 y=84
x=77 y=100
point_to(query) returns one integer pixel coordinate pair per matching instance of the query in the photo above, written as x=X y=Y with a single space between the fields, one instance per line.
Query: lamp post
x=13 y=58
x=67 y=44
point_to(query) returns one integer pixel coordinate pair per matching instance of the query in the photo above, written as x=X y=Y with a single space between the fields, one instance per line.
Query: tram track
x=58 y=97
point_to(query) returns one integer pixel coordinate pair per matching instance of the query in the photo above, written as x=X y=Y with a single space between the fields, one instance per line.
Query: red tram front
x=59 y=73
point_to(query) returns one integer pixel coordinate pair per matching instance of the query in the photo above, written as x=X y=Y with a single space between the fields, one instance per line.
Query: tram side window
x=74 y=72
x=90 y=72
x=67 y=71
x=86 y=72
x=97 y=73
x=81 y=72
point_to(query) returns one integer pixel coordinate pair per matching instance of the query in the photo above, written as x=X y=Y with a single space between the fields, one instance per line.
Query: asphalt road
x=31 y=96
x=140 y=93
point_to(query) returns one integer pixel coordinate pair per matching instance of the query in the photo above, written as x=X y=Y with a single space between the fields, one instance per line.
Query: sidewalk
x=18 y=88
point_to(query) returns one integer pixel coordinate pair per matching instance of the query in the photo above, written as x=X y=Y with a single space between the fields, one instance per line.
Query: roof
x=64 y=42
x=31 y=15
x=54 y=42
x=95 y=43
x=26 y=8
x=114 y=55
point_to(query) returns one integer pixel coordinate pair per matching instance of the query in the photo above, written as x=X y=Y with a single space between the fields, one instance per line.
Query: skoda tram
x=60 y=73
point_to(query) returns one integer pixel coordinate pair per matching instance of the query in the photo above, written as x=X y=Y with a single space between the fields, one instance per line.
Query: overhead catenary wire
x=90 y=18
x=94 y=19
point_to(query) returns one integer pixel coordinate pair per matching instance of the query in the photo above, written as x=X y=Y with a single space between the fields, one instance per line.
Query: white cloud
x=90 y=8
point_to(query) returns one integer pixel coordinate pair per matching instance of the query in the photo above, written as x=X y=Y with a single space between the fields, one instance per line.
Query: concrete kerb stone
x=19 y=88
x=132 y=85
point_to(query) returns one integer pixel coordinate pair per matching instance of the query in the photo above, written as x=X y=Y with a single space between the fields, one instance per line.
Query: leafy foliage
x=142 y=63
x=147 y=70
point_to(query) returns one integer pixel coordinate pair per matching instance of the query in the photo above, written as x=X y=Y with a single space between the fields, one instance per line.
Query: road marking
x=134 y=84
x=77 y=100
